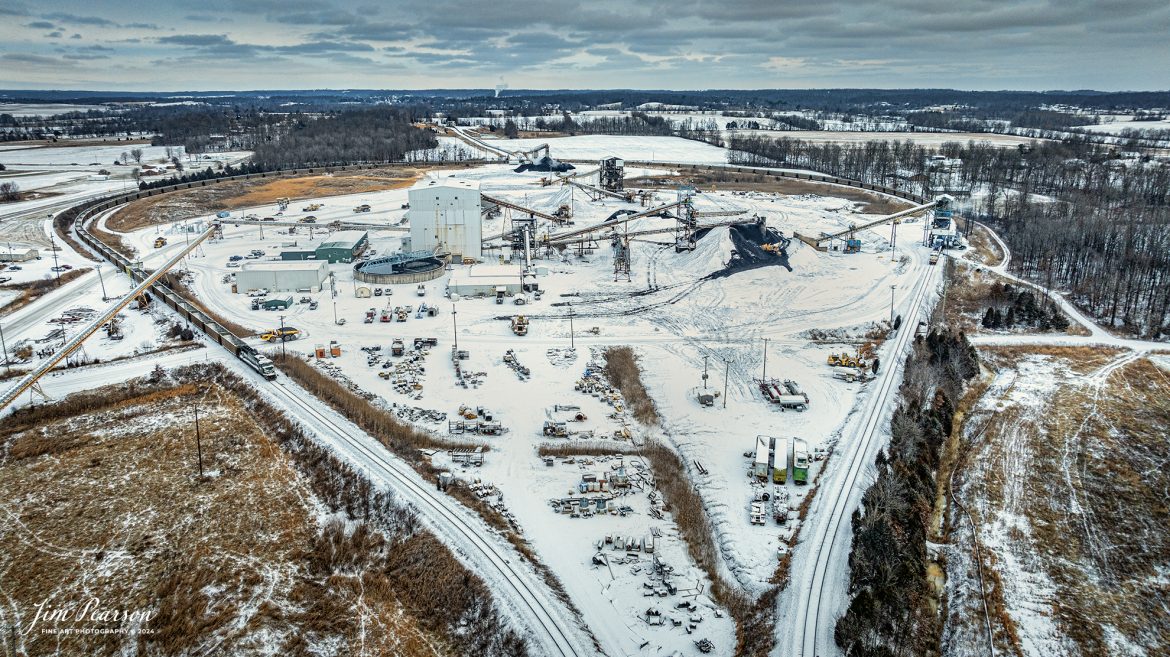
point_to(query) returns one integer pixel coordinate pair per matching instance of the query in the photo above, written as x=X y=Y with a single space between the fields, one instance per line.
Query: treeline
x=636 y=123
x=1076 y=217
x=998 y=121
x=1011 y=308
x=890 y=610
x=871 y=162
x=206 y=174
x=376 y=134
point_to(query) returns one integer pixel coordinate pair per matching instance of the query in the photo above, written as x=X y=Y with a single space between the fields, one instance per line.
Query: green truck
x=799 y=461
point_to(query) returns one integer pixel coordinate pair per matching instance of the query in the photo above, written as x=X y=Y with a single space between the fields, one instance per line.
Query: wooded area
x=890 y=612
x=377 y=134
x=1078 y=217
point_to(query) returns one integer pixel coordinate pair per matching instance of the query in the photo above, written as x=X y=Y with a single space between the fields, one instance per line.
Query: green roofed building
x=344 y=246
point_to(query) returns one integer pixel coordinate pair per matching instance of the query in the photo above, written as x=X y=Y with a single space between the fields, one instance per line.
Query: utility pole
x=704 y=372
x=726 y=375
x=105 y=296
x=198 y=441
x=4 y=345
x=893 y=237
x=572 y=340
x=455 y=325
x=283 y=350
x=764 y=377
x=892 y=305
x=53 y=246
x=335 y=311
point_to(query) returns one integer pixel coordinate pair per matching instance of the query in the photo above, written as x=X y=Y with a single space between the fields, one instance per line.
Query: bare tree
x=136 y=153
x=125 y=157
x=9 y=191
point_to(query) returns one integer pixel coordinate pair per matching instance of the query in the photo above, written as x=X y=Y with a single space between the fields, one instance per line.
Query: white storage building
x=283 y=276
x=445 y=215
x=487 y=280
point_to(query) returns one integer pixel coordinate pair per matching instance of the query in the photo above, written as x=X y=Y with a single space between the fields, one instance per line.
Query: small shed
x=277 y=303
x=18 y=254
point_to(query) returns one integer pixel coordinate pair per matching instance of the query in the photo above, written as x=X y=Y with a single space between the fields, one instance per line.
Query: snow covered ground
x=595 y=147
x=1125 y=123
x=689 y=316
x=673 y=311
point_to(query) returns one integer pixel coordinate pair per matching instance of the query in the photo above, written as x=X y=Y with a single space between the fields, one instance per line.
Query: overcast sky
x=660 y=44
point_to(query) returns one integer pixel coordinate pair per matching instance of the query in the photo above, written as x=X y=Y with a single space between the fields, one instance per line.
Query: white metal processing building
x=284 y=276
x=445 y=215
x=488 y=280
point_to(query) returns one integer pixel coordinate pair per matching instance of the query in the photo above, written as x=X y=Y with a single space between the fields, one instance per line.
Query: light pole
x=892 y=287
x=704 y=372
x=283 y=348
x=455 y=330
x=572 y=343
x=726 y=375
x=4 y=345
x=105 y=297
x=764 y=376
x=53 y=246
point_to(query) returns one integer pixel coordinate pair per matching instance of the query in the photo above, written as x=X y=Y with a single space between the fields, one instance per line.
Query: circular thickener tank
x=400 y=269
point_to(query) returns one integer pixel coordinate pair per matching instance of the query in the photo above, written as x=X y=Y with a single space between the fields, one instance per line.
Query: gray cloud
x=25 y=58
x=79 y=20
x=615 y=43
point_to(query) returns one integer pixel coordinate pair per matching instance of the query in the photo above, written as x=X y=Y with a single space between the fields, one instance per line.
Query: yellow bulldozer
x=845 y=359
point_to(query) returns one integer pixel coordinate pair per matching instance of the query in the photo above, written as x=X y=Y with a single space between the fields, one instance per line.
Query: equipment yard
x=732 y=322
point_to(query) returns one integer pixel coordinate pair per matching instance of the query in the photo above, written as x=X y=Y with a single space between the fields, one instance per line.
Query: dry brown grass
x=109 y=504
x=984 y=249
x=1106 y=449
x=872 y=203
x=33 y=290
x=584 y=449
x=232 y=562
x=1081 y=360
x=622 y=372
x=184 y=204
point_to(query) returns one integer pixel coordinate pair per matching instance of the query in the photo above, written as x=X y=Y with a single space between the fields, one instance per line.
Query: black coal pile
x=748 y=253
x=620 y=213
x=545 y=163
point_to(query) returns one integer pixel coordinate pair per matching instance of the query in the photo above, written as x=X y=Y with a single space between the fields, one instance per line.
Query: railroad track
x=809 y=606
x=437 y=506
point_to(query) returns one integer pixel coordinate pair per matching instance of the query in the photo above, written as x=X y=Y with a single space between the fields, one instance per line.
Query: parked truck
x=780 y=461
x=520 y=325
x=396 y=347
x=799 y=461
x=160 y=242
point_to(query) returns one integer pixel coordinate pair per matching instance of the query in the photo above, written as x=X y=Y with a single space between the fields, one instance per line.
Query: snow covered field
x=595 y=147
